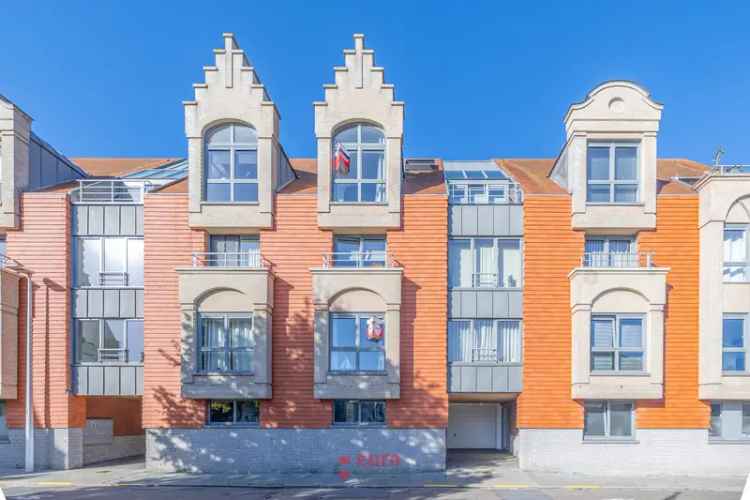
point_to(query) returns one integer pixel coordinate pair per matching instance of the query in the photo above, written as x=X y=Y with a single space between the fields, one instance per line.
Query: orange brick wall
x=43 y=245
x=551 y=250
x=125 y=412
x=421 y=247
x=168 y=244
x=675 y=244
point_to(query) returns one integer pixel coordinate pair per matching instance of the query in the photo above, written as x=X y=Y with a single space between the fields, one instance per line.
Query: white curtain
x=510 y=341
x=486 y=263
x=735 y=244
x=460 y=341
x=510 y=262
x=486 y=340
x=460 y=263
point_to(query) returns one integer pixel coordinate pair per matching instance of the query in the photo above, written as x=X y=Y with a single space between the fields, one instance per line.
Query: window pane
x=135 y=262
x=346 y=252
x=240 y=332
x=598 y=163
x=460 y=263
x=246 y=165
x=247 y=412
x=113 y=338
x=218 y=164
x=626 y=163
x=510 y=263
x=213 y=332
x=88 y=261
x=486 y=263
x=246 y=191
x=344 y=172
x=458 y=193
x=372 y=135
x=604 y=361
x=734 y=273
x=114 y=254
x=244 y=135
x=733 y=332
x=746 y=419
x=619 y=420
x=496 y=194
x=598 y=193
x=135 y=341
x=715 y=428
x=627 y=193
x=631 y=361
x=372 y=165
x=372 y=412
x=343 y=360
x=735 y=245
x=593 y=424
x=371 y=332
x=602 y=332
x=372 y=361
x=373 y=252
x=242 y=361
x=88 y=340
x=217 y=192
x=373 y=192
x=345 y=412
x=631 y=332
x=220 y=412
x=477 y=193
x=344 y=192
x=343 y=331
x=219 y=135
x=347 y=135
x=733 y=361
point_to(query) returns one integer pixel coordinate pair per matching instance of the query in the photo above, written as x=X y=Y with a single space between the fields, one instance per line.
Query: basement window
x=233 y=412
x=358 y=412
x=608 y=420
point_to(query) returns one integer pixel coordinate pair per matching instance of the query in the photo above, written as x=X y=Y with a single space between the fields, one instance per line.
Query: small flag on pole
x=374 y=328
x=341 y=160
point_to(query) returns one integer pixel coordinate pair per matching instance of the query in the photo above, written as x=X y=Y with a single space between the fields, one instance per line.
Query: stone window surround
x=635 y=291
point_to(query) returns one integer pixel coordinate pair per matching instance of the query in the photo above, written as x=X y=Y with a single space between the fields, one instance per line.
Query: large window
x=617 y=343
x=109 y=340
x=484 y=340
x=484 y=263
x=612 y=173
x=353 y=251
x=357 y=342
x=734 y=344
x=730 y=420
x=358 y=412
x=736 y=253
x=608 y=419
x=108 y=262
x=234 y=250
x=225 y=343
x=231 y=167
x=233 y=412
x=610 y=252
x=363 y=179
x=481 y=194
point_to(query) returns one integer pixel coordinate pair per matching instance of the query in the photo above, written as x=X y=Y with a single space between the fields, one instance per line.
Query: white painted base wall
x=654 y=451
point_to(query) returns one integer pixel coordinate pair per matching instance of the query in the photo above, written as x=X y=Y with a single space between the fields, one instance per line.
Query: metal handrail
x=479 y=354
x=251 y=259
x=618 y=259
x=739 y=168
x=513 y=192
x=375 y=258
x=107 y=191
x=105 y=275
x=8 y=262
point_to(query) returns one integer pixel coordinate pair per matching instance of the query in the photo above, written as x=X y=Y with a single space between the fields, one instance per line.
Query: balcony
x=109 y=378
x=108 y=191
x=235 y=283
x=9 y=329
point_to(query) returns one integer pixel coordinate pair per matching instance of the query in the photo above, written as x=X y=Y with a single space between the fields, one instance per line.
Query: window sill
x=486 y=288
x=358 y=203
x=359 y=426
x=484 y=363
x=230 y=203
x=717 y=440
x=223 y=374
x=357 y=373
x=735 y=374
x=610 y=441
x=614 y=204
x=743 y=282
x=619 y=374
x=231 y=426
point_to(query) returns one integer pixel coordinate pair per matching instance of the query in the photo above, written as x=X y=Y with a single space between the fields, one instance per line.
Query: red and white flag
x=374 y=328
x=341 y=159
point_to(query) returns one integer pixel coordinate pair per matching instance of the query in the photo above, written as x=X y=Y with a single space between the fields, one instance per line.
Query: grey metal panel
x=112 y=380
x=454 y=378
x=112 y=220
x=95 y=303
x=139 y=303
x=139 y=380
x=484 y=303
x=111 y=303
x=454 y=218
x=499 y=304
x=139 y=220
x=80 y=303
x=515 y=304
x=499 y=220
x=484 y=219
x=127 y=220
x=108 y=380
x=95 y=380
x=515 y=378
x=499 y=378
x=469 y=220
x=468 y=378
x=127 y=381
x=515 y=220
x=80 y=380
x=96 y=220
x=80 y=220
x=127 y=303
x=484 y=379
x=468 y=304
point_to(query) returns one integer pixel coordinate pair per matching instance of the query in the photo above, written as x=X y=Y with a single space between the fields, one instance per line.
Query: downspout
x=29 y=425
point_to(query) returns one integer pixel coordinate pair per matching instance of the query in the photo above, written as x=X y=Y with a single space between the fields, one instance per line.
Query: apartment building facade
x=238 y=310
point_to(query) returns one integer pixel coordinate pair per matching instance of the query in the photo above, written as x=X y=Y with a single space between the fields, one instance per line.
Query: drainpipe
x=29 y=424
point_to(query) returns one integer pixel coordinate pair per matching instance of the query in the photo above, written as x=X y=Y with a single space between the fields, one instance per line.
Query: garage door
x=472 y=426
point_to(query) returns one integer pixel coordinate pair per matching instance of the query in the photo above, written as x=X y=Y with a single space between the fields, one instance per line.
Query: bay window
x=358 y=412
x=109 y=340
x=233 y=412
x=363 y=179
x=231 y=164
x=736 y=253
x=617 y=343
x=612 y=173
x=225 y=343
x=734 y=344
x=484 y=263
x=484 y=340
x=608 y=419
x=357 y=342
x=108 y=262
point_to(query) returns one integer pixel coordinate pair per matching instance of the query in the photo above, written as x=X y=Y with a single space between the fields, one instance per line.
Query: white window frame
x=460 y=193
x=234 y=422
x=232 y=147
x=611 y=181
x=216 y=258
x=745 y=265
x=608 y=421
x=100 y=350
x=356 y=151
x=616 y=349
x=359 y=422
x=365 y=258
x=499 y=340
x=745 y=340
x=476 y=280
x=726 y=427
x=227 y=349
x=357 y=316
x=609 y=258
x=103 y=260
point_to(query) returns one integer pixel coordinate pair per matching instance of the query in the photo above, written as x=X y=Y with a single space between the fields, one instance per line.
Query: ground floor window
x=608 y=419
x=730 y=420
x=233 y=412
x=358 y=412
x=109 y=340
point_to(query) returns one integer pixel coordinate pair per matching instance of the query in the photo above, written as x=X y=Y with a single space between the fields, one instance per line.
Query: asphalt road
x=190 y=493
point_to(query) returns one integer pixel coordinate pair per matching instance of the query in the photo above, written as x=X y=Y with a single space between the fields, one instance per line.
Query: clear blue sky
x=480 y=79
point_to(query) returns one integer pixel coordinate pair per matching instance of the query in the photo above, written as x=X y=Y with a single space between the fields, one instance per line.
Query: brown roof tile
x=117 y=167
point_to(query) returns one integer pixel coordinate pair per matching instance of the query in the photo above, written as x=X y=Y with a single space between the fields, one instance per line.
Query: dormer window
x=612 y=173
x=358 y=165
x=231 y=164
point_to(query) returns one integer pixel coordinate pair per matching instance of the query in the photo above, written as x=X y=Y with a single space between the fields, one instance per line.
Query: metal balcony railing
x=7 y=262
x=737 y=169
x=618 y=259
x=358 y=259
x=250 y=259
x=107 y=191
x=481 y=193
x=109 y=279
x=493 y=280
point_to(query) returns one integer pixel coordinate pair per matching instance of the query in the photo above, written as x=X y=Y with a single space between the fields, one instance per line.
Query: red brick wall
x=43 y=245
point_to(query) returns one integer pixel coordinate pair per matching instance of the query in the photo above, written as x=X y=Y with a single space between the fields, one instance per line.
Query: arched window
x=358 y=165
x=231 y=164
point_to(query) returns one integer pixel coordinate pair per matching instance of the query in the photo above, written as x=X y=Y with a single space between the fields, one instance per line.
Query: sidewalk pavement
x=511 y=478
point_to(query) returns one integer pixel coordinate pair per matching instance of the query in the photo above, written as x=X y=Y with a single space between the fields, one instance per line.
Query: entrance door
x=472 y=426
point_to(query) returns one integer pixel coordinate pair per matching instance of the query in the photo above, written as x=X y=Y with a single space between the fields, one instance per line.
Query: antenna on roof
x=718 y=154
